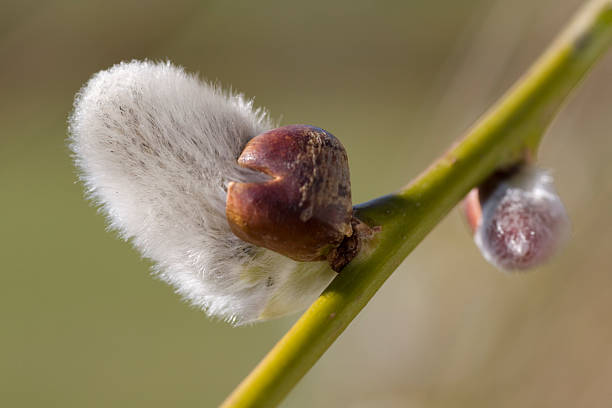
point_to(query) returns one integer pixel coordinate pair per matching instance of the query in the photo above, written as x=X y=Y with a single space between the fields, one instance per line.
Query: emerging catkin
x=523 y=221
x=156 y=148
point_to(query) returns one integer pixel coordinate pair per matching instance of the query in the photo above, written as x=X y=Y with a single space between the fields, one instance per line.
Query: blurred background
x=85 y=325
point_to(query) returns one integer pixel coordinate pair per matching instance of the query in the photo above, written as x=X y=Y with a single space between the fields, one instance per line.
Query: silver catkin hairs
x=156 y=148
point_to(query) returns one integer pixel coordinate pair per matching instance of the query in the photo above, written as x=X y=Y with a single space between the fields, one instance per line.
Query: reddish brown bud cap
x=305 y=209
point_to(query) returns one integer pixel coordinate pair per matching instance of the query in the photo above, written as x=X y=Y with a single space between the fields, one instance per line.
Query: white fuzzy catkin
x=156 y=148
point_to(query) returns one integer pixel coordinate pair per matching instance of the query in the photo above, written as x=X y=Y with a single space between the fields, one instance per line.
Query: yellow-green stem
x=505 y=134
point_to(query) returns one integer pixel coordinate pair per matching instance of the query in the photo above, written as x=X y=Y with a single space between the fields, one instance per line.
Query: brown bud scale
x=304 y=211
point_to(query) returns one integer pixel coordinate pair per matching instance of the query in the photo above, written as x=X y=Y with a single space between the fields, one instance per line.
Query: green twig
x=508 y=132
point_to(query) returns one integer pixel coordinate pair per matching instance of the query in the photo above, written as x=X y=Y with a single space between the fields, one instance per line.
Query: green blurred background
x=85 y=325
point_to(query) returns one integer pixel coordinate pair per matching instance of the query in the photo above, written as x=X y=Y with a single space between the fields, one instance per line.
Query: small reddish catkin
x=518 y=219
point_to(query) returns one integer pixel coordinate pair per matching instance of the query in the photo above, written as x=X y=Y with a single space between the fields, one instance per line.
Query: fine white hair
x=156 y=148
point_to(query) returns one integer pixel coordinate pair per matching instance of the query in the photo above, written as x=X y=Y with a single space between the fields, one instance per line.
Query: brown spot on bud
x=304 y=211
